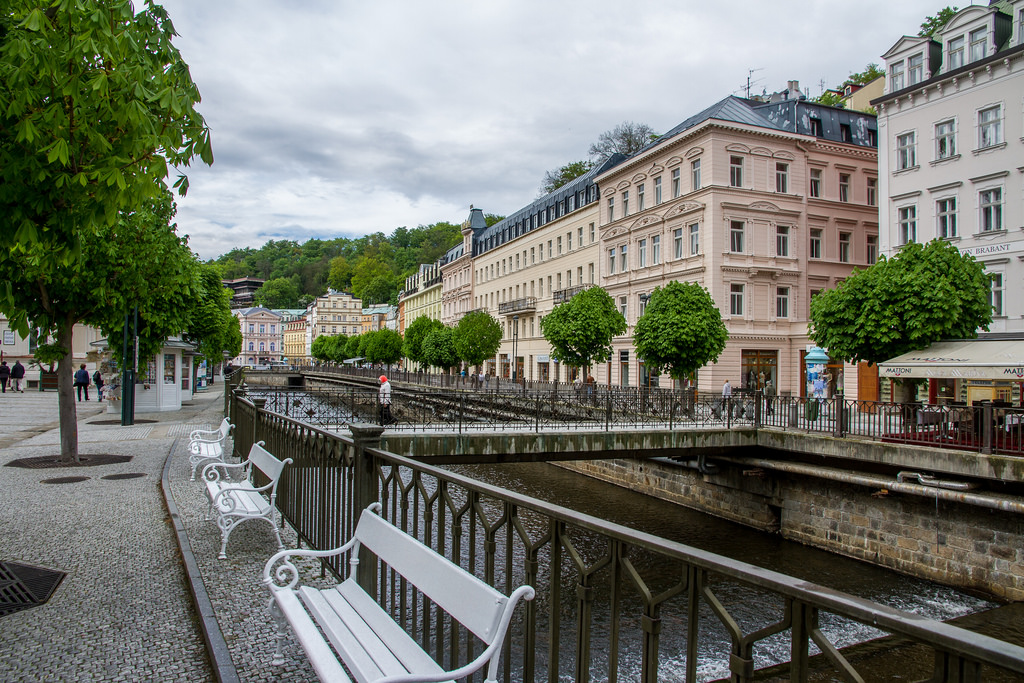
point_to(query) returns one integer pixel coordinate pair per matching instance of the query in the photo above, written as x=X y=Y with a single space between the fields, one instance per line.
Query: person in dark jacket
x=97 y=379
x=82 y=382
x=5 y=374
x=18 y=377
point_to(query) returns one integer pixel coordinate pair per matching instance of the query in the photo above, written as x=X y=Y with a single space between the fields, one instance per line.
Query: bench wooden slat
x=405 y=651
x=473 y=603
x=323 y=660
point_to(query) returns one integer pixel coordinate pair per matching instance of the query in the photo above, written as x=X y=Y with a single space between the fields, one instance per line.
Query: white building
x=951 y=151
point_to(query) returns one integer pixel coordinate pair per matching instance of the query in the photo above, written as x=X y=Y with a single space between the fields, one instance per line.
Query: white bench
x=371 y=644
x=206 y=446
x=235 y=502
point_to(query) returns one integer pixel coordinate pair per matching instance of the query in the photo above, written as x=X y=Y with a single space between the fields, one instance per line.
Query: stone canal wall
x=948 y=542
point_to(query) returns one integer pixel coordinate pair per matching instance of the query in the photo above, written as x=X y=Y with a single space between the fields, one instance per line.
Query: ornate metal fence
x=613 y=603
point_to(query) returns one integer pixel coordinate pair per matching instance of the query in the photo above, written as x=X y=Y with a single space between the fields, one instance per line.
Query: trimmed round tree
x=477 y=337
x=439 y=348
x=680 y=331
x=921 y=295
x=581 y=329
x=415 y=333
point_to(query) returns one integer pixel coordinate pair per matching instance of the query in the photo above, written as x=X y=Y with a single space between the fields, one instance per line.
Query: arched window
x=271 y=347
x=263 y=347
x=252 y=347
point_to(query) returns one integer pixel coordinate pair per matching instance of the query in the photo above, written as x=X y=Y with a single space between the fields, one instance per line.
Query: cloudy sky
x=339 y=118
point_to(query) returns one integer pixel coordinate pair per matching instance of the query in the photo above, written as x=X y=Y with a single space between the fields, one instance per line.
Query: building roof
x=257 y=309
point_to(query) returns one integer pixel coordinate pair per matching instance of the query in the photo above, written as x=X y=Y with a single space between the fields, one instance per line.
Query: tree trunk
x=66 y=396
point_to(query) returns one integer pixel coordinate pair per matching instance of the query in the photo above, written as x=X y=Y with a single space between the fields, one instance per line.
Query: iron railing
x=612 y=603
x=449 y=402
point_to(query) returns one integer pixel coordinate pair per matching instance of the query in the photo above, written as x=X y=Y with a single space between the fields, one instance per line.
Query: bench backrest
x=225 y=429
x=266 y=462
x=473 y=603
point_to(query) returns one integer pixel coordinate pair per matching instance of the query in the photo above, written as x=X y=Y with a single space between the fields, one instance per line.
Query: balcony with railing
x=527 y=304
x=562 y=295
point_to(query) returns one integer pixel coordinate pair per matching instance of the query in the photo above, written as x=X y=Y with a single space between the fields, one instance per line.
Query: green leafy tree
x=932 y=24
x=352 y=346
x=96 y=106
x=139 y=261
x=831 y=98
x=439 y=348
x=477 y=337
x=415 y=333
x=384 y=346
x=680 y=331
x=323 y=348
x=281 y=292
x=366 y=271
x=340 y=275
x=380 y=290
x=564 y=174
x=626 y=138
x=870 y=73
x=212 y=327
x=921 y=295
x=581 y=329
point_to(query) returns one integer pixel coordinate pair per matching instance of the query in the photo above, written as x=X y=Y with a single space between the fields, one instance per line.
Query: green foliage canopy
x=564 y=174
x=415 y=333
x=96 y=105
x=477 y=337
x=383 y=346
x=438 y=348
x=281 y=292
x=681 y=330
x=922 y=294
x=581 y=329
x=931 y=24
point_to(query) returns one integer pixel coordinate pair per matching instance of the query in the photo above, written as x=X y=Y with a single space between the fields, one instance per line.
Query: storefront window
x=759 y=367
x=168 y=368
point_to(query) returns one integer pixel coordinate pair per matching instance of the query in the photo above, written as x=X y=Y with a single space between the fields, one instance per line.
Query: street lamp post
x=515 y=342
x=644 y=298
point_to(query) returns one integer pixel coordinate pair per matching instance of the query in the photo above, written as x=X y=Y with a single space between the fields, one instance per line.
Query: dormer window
x=978 y=44
x=915 y=69
x=896 y=72
x=956 y=53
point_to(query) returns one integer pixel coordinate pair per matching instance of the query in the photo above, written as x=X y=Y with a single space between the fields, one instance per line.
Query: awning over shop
x=964 y=359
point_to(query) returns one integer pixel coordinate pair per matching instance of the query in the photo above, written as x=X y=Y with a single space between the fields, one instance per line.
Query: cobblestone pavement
x=235 y=584
x=123 y=612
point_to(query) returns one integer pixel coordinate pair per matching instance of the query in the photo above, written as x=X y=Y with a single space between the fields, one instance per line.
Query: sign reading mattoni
x=963 y=359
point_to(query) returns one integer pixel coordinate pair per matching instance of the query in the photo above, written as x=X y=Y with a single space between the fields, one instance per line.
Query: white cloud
x=339 y=119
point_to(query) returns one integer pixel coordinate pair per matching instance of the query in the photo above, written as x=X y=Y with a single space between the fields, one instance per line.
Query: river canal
x=668 y=520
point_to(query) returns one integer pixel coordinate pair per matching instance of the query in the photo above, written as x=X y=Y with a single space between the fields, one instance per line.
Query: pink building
x=764 y=204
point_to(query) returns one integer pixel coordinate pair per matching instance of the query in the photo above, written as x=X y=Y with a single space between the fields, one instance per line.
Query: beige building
x=858 y=97
x=457 y=271
x=294 y=339
x=762 y=203
x=422 y=294
x=531 y=261
x=333 y=313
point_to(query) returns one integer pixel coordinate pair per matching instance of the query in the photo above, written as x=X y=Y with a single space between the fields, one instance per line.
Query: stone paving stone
x=235 y=584
x=124 y=605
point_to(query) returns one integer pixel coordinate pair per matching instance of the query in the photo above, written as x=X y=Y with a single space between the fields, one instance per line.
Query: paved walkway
x=125 y=610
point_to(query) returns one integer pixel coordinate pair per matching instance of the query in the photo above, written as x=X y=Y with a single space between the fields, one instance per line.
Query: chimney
x=794 y=89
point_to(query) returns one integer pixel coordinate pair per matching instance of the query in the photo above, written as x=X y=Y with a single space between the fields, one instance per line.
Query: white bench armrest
x=273 y=578
x=212 y=471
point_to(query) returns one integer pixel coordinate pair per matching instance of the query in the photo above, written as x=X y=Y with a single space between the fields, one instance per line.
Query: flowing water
x=670 y=521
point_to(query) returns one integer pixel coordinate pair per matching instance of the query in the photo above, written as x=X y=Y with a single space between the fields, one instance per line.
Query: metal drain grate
x=64 y=480
x=126 y=475
x=23 y=586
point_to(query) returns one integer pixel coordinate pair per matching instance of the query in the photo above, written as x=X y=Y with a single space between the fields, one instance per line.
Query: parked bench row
x=344 y=630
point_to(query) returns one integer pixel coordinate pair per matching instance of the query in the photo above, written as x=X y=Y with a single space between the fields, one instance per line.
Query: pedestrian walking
x=726 y=389
x=769 y=394
x=82 y=382
x=18 y=377
x=97 y=379
x=5 y=374
x=385 y=401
